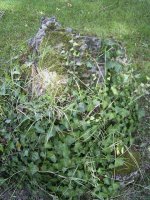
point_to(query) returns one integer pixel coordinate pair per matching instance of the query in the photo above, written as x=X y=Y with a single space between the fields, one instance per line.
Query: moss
x=50 y=51
x=132 y=160
x=52 y=60
x=54 y=38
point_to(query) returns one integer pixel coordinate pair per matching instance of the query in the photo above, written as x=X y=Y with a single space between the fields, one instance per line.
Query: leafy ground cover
x=126 y=21
x=77 y=139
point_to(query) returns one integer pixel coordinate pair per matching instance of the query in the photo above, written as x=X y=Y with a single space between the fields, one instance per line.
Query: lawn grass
x=127 y=21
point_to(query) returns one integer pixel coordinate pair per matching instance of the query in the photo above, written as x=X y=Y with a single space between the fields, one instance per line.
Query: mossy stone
x=132 y=161
x=50 y=51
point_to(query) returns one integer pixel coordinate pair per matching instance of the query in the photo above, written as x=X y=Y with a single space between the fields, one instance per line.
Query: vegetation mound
x=68 y=114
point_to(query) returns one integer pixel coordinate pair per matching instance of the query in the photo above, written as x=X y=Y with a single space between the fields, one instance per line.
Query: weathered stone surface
x=46 y=23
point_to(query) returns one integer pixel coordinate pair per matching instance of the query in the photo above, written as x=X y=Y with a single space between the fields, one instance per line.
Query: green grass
x=127 y=21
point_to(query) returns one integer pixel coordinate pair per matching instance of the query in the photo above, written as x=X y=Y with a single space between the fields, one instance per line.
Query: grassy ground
x=125 y=20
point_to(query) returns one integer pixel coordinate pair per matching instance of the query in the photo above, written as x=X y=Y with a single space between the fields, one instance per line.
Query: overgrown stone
x=60 y=50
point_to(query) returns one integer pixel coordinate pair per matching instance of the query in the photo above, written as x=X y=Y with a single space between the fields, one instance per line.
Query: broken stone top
x=46 y=23
x=51 y=24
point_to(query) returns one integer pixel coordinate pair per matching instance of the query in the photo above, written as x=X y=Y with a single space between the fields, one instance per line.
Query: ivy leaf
x=111 y=115
x=124 y=112
x=119 y=162
x=106 y=181
x=115 y=186
x=50 y=133
x=111 y=166
x=33 y=168
x=15 y=71
x=89 y=65
x=51 y=156
x=96 y=102
x=35 y=156
x=82 y=107
x=2 y=180
x=1 y=148
x=77 y=147
x=26 y=153
x=39 y=128
x=3 y=89
x=141 y=113
x=114 y=65
x=69 y=140
x=8 y=121
x=65 y=151
x=114 y=90
x=75 y=44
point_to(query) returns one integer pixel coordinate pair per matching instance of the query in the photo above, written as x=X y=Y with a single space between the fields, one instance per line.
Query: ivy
x=69 y=144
